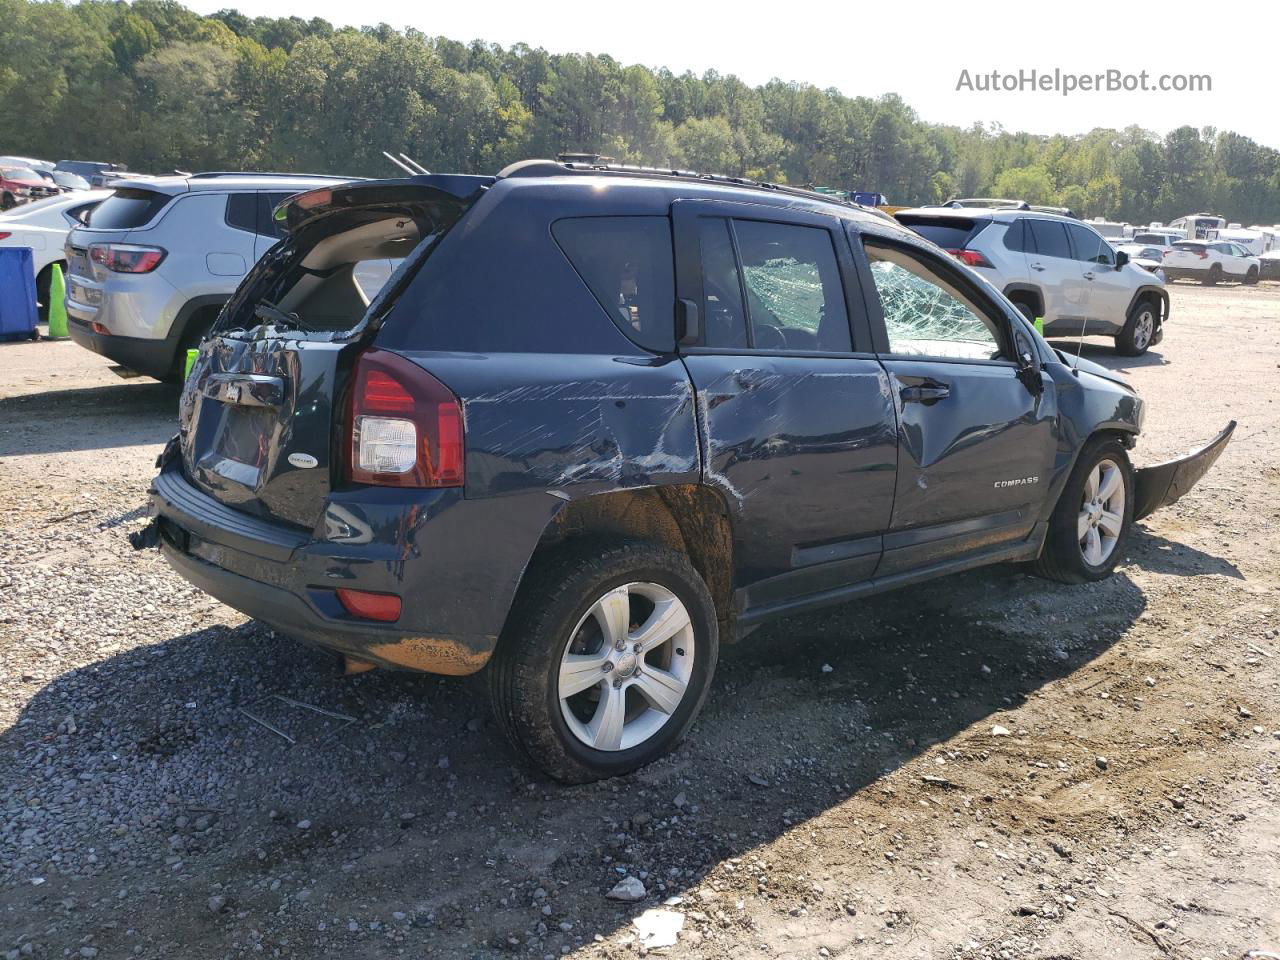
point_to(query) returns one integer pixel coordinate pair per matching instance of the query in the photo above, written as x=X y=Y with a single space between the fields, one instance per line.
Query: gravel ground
x=988 y=766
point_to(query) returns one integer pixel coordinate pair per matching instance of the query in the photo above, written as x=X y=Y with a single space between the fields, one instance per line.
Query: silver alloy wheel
x=1101 y=519
x=1144 y=325
x=627 y=666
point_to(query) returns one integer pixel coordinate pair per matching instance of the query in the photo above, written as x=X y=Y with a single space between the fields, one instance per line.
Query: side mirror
x=1029 y=373
x=1121 y=259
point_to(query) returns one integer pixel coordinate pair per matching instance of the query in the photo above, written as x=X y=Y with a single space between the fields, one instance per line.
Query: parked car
x=1211 y=262
x=20 y=184
x=1163 y=239
x=1053 y=267
x=690 y=405
x=43 y=226
x=68 y=182
x=153 y=266
x=1150 y=259
x=95 y=171
x=1269 y=265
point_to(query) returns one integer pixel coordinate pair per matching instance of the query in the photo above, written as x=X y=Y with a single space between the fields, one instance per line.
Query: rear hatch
x=953 y=232
x=1188 y=256
x=127 y=209
x=261 y=411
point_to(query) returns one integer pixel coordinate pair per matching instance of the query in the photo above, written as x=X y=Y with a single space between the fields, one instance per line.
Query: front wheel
x=1139 y=330
x=606 y=660
x=1251 y=277
x=1091 y=522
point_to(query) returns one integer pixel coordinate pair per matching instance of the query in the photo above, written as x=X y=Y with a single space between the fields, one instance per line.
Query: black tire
x=8 y=202
x=556 y=596
x=1139 y=331
x=1251 y=277
x=1213 y=277
x=43 y=279
x=1026 y=310
x=199 y=324
x=1062 y=558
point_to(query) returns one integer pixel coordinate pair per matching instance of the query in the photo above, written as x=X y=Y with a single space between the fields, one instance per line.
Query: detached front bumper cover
x=1164 y=483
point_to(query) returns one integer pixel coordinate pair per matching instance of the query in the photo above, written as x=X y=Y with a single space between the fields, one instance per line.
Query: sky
x=918 y=50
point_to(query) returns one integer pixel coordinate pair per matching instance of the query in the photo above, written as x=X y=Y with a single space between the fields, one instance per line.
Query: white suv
x=150 y=270
x=1053 y=267
x=1211 y=261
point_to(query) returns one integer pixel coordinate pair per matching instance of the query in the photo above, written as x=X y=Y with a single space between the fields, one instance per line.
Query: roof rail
x=213 y=174
x=993 y=203
x=552 y=168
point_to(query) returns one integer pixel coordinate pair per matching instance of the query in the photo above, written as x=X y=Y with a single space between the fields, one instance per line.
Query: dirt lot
x=843 y=795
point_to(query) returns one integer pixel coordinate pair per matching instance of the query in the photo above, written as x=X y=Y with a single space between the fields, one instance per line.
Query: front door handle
x=1037 y=266
x=926 y=393
x=1088 y=274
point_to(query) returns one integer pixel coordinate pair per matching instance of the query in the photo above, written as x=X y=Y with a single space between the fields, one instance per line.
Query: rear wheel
x=1214 y=275
x=199 y=324
x=8 y=201
x=1026 y=310
x=1091 y=522
x=1139 y=330
x=606 y=660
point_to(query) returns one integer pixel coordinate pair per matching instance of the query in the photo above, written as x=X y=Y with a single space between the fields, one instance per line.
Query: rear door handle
x=926 y=393
x=1037 y=266
x=1088 y=275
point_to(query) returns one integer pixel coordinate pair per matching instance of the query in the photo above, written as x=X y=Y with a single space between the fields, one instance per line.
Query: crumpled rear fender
x=1163 y=483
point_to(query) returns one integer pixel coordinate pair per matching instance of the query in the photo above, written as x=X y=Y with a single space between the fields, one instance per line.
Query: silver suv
x=1055 y=268
x=148 y=273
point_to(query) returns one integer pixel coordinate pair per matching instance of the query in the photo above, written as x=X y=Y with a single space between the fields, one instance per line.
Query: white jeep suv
x=1053 y=267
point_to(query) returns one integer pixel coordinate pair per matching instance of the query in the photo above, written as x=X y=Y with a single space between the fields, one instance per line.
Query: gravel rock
x=628 y=890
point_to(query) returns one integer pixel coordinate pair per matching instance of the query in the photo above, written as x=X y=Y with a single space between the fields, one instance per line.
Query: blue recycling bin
x=17 y=294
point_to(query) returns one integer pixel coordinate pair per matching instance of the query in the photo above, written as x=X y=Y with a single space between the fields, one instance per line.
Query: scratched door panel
x=803 y=451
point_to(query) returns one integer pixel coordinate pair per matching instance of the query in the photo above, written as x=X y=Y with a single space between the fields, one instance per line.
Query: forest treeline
x=158 y=87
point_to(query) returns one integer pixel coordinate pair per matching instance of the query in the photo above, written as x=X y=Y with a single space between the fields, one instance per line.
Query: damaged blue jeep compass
x=599 y=418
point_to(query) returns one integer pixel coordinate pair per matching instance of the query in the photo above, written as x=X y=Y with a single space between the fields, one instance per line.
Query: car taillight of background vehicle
x=5 y=234
x=126 y=257
x=970 y=258
x=406 y=426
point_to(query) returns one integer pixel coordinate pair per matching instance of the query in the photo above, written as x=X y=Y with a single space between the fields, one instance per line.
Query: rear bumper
x=1164 y=483
x=1177 y=273
x=455 y=563
x=155 y=358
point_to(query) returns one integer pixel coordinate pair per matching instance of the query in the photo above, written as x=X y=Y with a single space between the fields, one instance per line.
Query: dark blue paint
x=834 y=486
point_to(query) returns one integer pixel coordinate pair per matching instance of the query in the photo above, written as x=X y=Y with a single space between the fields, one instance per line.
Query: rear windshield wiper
x=266 y=310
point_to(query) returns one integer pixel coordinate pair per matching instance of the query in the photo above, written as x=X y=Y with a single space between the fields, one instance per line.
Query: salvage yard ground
x=988 y=766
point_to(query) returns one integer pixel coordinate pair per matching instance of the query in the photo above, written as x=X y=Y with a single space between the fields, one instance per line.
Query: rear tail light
x=126 y=257
x=406 y=427
x=370 y=606
x=5 y=235
x=970 y=258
